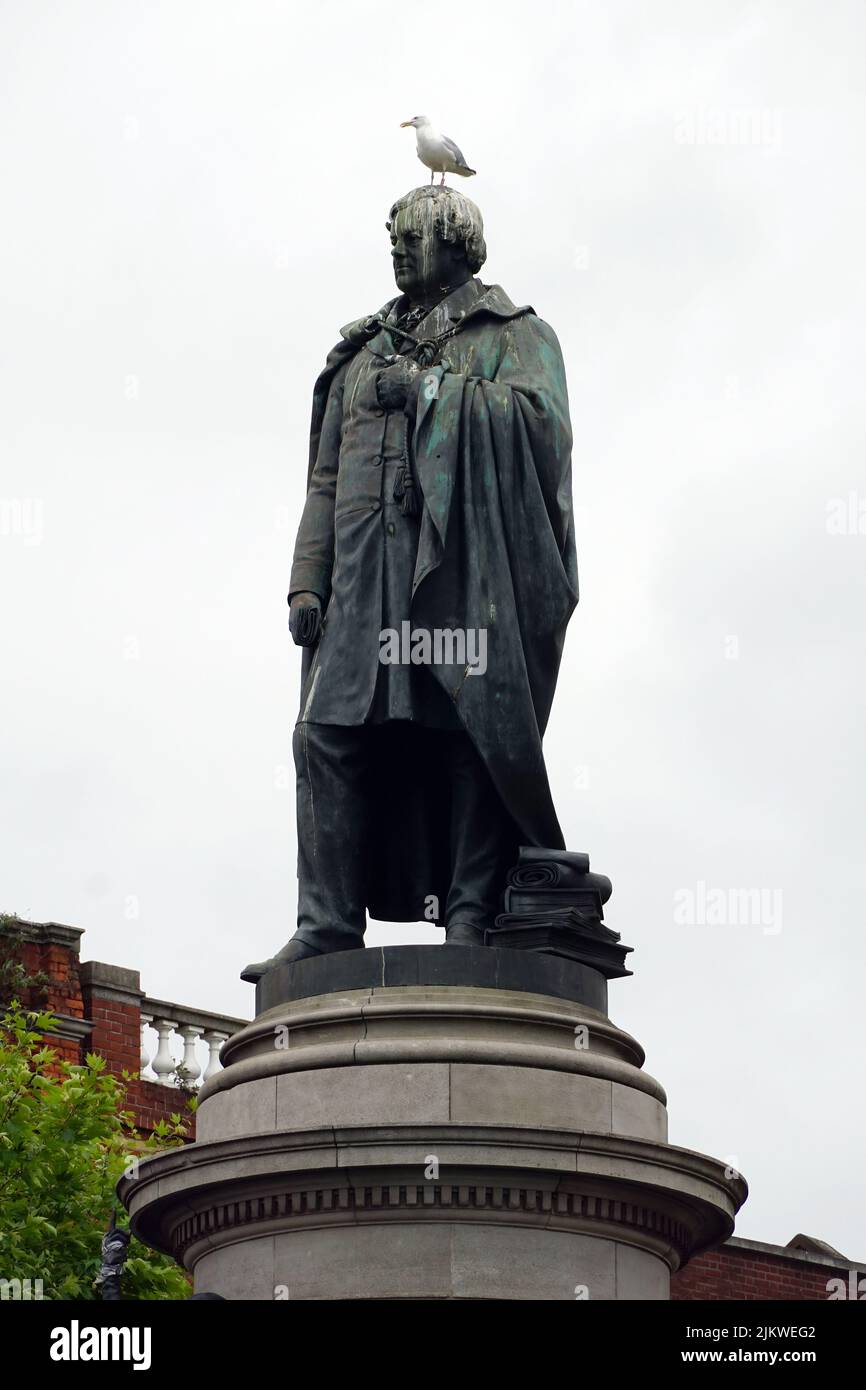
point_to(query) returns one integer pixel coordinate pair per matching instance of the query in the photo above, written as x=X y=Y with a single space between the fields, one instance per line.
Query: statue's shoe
x=292 y=951
x=464 y=934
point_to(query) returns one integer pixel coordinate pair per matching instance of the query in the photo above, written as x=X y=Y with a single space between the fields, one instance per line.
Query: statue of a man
x=434 y=575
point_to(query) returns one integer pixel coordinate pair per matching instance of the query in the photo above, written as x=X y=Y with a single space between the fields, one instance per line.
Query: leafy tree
x=65 y=1140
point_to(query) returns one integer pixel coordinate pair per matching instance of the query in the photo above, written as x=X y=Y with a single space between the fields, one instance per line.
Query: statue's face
x=424 y=264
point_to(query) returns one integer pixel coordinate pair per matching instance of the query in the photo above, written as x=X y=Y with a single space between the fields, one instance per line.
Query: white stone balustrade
x=180 y=1046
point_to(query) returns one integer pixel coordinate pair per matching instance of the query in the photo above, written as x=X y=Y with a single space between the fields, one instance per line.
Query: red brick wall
x=151 y=1103
x=116 y=1036
x=67 y=1051
x=116 y=1031
x=737 y=1274
x=62 y=994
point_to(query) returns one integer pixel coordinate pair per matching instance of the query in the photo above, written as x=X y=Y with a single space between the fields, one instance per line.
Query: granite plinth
x=432 y=1141
x=396 y=967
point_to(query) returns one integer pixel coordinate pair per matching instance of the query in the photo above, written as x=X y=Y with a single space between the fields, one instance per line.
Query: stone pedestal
x=389 y=1134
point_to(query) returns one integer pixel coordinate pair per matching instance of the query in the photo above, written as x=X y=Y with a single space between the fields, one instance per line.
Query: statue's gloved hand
x=393 y=383
x=305 y=619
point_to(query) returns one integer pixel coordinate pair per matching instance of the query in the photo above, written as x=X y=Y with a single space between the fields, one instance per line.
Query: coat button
x=380 y=413
x=375 y=506
x=377 y=460
x=391 y=529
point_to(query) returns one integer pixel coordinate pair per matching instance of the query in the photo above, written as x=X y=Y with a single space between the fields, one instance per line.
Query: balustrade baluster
x=164 y=1063
x=190 y=1068
x=214 y=1041
x=144 y=1062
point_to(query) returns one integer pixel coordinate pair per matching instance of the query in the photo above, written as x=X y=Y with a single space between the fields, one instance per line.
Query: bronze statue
x=434 y=575
x=115 y=1248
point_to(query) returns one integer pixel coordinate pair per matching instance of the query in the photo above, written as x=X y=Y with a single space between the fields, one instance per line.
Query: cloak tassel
x=406 y=491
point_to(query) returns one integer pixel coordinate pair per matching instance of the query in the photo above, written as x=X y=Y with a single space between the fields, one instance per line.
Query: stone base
x=432 y=1141
x=528 y=972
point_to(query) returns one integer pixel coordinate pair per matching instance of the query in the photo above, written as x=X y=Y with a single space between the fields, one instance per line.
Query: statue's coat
x=491 y=450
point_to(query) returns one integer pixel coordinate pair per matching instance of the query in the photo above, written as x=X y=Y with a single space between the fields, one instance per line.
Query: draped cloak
x=489 y=442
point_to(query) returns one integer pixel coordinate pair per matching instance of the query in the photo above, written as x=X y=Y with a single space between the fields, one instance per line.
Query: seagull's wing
x=454 y=151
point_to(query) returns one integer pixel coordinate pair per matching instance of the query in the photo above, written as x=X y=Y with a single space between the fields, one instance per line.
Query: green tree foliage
x=65 y=1140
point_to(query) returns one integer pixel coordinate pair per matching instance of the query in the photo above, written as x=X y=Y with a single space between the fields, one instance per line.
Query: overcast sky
x=194 y=197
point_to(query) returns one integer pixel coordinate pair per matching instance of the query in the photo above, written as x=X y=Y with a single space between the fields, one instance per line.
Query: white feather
x=437 y=152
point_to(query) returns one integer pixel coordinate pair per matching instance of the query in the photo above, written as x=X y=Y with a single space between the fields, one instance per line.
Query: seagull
x=440 y=154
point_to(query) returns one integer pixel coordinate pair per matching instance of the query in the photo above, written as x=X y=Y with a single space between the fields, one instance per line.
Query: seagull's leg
x=431 y=178
x=442 y=180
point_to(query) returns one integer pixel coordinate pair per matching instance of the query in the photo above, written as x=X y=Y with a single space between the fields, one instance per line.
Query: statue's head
x=437 y=237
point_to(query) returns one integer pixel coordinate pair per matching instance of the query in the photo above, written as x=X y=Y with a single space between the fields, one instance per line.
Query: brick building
x=102 y=1008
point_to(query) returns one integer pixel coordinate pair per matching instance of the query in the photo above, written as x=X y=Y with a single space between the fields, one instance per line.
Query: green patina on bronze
x=489 y=443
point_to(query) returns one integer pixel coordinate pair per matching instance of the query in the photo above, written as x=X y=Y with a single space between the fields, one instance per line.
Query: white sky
x=194 y=198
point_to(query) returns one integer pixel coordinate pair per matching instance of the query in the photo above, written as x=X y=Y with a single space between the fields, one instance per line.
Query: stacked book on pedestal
x=554 y=904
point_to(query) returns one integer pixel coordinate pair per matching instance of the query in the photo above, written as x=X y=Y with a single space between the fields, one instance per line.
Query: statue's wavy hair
x=456 y=219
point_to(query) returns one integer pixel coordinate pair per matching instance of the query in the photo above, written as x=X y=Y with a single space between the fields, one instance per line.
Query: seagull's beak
x=403 y=124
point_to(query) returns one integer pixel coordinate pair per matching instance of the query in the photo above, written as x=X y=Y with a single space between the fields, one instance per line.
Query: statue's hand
x=305 y=619
x=392 y=384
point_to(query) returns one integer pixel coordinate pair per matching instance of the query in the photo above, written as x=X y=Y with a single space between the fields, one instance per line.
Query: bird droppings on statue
x=437 y=152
